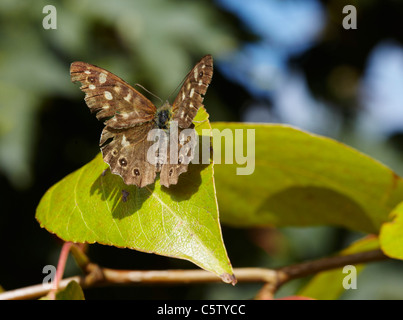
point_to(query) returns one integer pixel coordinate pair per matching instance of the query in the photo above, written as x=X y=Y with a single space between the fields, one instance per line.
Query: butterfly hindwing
x=185 y=152
x=125 y=150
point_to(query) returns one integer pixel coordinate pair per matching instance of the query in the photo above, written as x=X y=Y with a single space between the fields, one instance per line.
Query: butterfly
x=129 y=117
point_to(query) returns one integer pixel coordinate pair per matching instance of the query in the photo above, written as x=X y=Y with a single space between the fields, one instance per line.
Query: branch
x=300 y=270
x=273 y=278
x=312 y=267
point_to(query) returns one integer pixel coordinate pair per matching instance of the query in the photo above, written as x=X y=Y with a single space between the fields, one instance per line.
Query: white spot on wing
x=191 y=92
x=108 y=95
x=125 y=143
x=195 y=73
x=91 y=86
x=128 y=97
x=87 y=72
x=102 y=77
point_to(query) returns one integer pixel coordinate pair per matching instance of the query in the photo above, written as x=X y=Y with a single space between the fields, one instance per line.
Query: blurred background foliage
x=275 y=61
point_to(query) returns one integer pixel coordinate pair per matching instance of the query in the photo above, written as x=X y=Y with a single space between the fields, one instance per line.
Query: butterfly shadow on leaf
x=188 y=183
x=121 y=200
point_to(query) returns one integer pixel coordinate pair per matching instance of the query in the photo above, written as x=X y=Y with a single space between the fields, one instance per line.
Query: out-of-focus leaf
x=295 y=298
x=328 y=285
x=147 y=26
x=302 y=179
x=391 y=236
x=72 y=291
x=16 y=126
x=28 y=72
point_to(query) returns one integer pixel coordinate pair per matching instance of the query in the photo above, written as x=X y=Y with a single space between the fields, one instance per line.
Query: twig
x=312 y=267
x=300 y=270
x=273 y=278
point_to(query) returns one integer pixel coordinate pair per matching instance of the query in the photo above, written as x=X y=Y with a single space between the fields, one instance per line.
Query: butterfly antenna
x=179 y=85
x=139 y=85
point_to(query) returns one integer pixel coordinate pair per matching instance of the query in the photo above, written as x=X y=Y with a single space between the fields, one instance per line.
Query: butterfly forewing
x=111 y=97
x=191 y=95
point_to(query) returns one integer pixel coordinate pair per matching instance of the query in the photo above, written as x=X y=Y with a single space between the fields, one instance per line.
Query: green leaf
x=302 y=179
x=328 y=285
x=391 y=236
x=181 y=221
x=72 y=291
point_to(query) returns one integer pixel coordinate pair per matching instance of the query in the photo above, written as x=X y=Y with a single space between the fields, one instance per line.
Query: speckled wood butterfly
x=129 y=117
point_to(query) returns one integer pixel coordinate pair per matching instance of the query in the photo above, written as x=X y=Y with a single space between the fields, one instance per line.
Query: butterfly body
x=129 y=117
x=163 y=116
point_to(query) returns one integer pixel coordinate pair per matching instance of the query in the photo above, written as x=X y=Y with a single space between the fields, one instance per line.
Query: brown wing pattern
x=171 y=170
x=191 y=95
x=110 y=97
x=125 y=150
x=184 y=109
